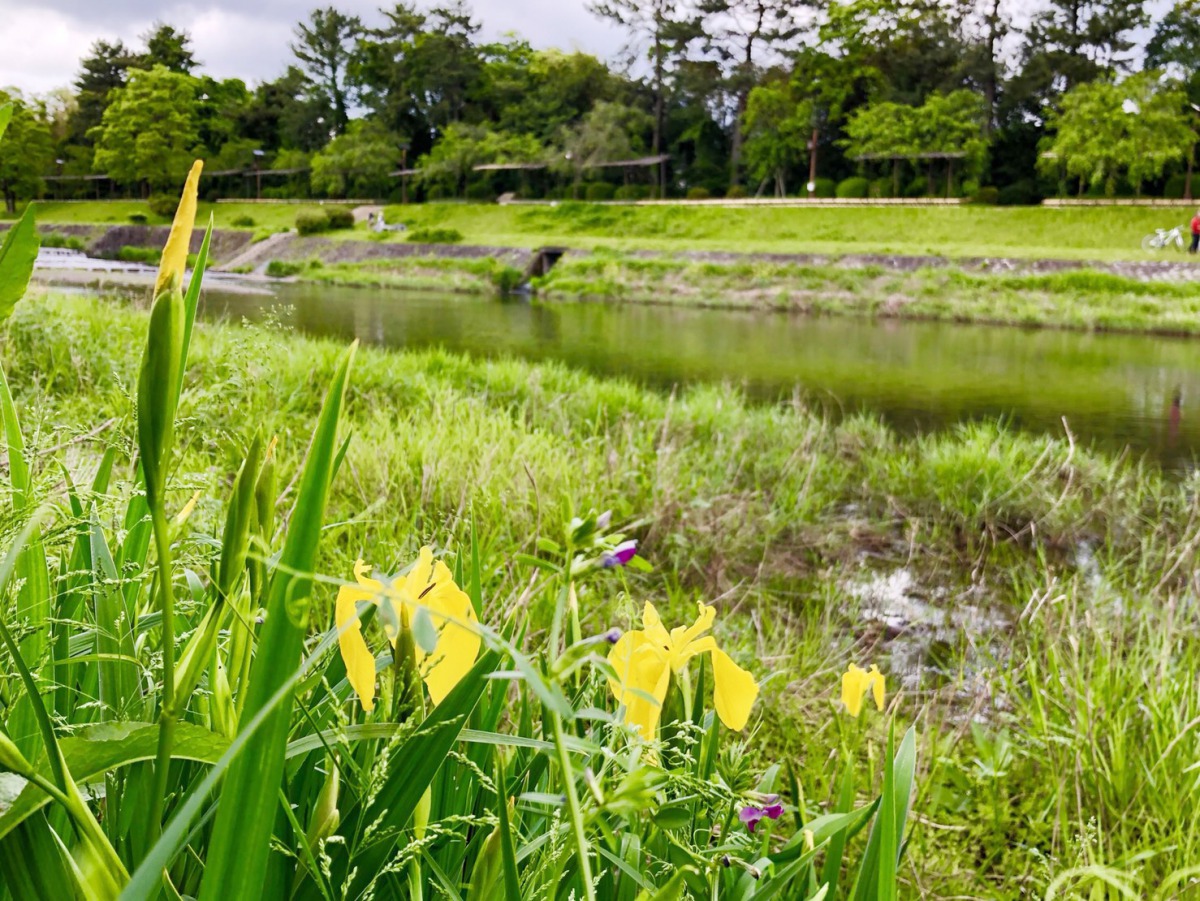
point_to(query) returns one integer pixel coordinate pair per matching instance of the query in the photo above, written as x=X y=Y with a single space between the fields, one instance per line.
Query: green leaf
x=414 y=764
x=6 y=113
x=100 y=749
x=17 y=255
x=242 y=833
x=424 y=631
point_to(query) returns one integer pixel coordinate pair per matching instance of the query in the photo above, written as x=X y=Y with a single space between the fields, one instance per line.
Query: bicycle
x=1164 y=237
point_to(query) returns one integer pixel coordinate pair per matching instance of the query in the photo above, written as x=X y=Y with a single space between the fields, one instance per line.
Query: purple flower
x=620 y=555
x=750 y=815
x=613 y=635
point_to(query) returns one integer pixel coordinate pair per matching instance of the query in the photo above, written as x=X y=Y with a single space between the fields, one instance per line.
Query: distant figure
x=1195 y=232
x=376 y=223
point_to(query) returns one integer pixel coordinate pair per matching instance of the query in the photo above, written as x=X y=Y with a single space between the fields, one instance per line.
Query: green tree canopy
x=1137 y=126
x=356 y=163
x=777 y=125
x=324 y=46
x=169 y=47
x=448 y=167
x=148 y=133
x=28 y=153
x=609 y=132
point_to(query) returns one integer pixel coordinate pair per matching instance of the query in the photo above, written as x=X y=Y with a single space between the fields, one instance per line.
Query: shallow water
x=1115 y=390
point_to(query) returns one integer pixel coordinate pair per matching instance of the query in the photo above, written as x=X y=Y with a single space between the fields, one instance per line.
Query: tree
x=953 y=124
x=1138 y=126
x=421 y=71
x=448 y=167
x=608 y=133
x=1176 y=40
x=888 y=131
x=148 y=131
x=104 y=70
x=324 y=47
x=28 y=152
x=663 y=29
x=167 y=47
x=282 y=114
x=1076 y=41
x=777 y=123
x=739 y=31
x=357 y=162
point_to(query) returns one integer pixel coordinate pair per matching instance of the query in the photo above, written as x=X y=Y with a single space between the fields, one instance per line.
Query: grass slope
x=1060 y=747
x=1090 y=233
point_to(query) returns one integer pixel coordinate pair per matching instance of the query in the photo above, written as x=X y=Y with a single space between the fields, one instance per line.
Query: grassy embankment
x=1074 y=299
x=1088 y=233
x=1058 y=750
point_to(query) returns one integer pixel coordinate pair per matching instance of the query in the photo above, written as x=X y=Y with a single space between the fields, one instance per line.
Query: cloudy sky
x=42 y=40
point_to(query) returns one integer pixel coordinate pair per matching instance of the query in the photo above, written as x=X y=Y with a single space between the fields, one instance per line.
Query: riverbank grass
x=1076 y=233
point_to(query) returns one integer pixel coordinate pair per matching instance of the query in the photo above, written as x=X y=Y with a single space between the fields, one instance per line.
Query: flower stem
x=576 y=814
x=167 y=713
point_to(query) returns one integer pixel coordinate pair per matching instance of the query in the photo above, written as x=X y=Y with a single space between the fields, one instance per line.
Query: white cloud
x=40 y=49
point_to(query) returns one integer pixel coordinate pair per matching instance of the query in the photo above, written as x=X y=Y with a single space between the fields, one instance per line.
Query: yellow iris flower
x=645 y=658
x=429 y=585
x=856 y=682
x=175 y=253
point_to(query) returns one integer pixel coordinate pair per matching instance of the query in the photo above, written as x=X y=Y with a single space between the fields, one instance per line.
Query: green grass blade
x=242 y=832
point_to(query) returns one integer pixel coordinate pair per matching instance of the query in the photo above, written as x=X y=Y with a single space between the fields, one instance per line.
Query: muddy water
x=1116 y=390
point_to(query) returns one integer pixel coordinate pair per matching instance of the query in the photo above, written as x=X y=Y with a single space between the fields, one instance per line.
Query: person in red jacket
x=1195 y=232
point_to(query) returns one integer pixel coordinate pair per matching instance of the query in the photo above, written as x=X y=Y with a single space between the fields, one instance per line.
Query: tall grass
x=182 y=726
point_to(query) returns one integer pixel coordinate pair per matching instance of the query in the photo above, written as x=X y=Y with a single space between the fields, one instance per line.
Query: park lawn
x=1079 y=233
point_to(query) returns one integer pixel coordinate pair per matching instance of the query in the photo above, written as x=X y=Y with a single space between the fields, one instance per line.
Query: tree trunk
x=1187 y=184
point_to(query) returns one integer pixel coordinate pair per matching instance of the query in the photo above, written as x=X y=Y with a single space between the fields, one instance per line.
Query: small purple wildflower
x=620 y=555
x=613 y=635
x=751 y=815
x=604 y=520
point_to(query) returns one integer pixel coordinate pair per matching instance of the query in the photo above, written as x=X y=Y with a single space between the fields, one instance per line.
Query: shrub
x=698 y=193
x=825 y=187
x=599 y=190
x=310 y=222
x=918 y=187
x=969 y=188
x=162 y=205
x=282 y=268
x=1020 y=193
x=1176 y=186
x=339 y=217
x=138 y=218
x=880 y=187
x=736 y=192
x=55 y=239
x=242 y=222
x=506 y=278
x=631 y=192
x=131 y=254
x=433 y=235
x=854 y=186
x=987 y=195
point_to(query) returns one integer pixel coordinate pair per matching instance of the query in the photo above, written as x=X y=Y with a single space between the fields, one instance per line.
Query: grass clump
x=435 y=235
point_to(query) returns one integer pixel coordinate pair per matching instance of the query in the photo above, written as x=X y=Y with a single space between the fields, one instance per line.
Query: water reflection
x=1120 y=390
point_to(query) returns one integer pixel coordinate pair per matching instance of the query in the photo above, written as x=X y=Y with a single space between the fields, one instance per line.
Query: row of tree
x=897 y=96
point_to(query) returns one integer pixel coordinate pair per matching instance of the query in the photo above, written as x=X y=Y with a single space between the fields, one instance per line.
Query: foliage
x=27 y=153
x=1137 y=126
x=448 y=167
x=520 y=772
x=148 y=129
x=358 y=162
x=323 y=45
x=854 y=187
x=311 y=222
x=777 y=123
x=434 y=235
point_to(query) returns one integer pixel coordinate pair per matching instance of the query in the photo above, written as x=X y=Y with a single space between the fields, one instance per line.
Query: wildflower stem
x=167 y=712
x=573 y=809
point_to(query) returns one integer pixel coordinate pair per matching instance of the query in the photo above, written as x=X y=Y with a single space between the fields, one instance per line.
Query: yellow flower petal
x=853 y=689
x=734 y=690
x=877 y=686
x=360 y=662
x=175 y=253
x=683 y=636
x=653 y=627
x=457 y=644
x=642 y=680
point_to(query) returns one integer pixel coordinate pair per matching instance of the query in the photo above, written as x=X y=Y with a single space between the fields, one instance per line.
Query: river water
x=1115 y=390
